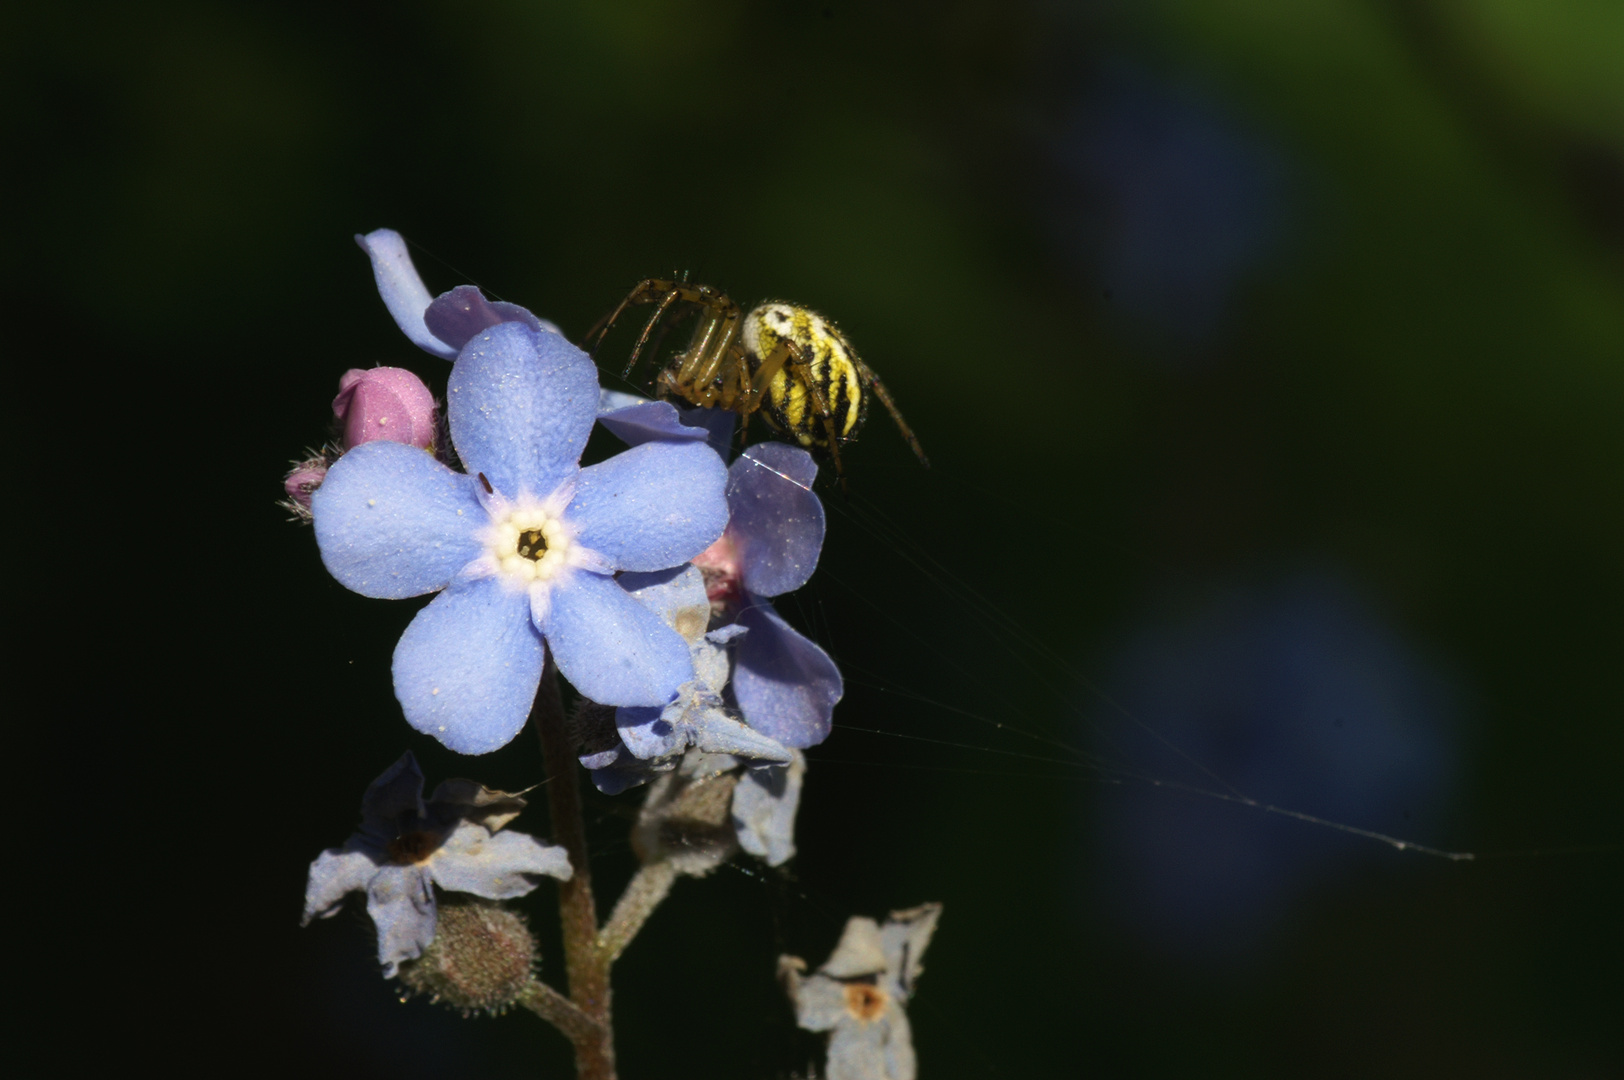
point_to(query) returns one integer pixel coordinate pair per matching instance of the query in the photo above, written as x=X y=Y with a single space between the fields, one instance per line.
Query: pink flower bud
x=384 y=403
x=302 y=482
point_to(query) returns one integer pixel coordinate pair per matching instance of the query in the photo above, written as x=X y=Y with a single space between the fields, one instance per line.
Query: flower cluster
x=646 y=580
x=523 y=546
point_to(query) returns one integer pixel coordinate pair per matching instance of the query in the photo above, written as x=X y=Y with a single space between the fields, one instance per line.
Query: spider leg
x=648 y=328
x=877 y=388
x=713 y=366
x=712 y=346
x=643 y=293
x=769 y=368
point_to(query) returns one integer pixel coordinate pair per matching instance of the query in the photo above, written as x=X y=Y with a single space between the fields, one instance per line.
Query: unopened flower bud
x=481 y=960
x=301 y=482
x=384 y=403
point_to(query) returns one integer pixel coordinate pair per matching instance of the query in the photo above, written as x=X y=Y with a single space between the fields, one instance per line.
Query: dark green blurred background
x=1271 y=361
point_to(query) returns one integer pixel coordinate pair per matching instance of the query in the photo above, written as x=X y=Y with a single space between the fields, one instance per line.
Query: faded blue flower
x=785 y=686
x=524 y=544
x=859 y=993
x=764 y=808
x=406 y=847
x=650 y=739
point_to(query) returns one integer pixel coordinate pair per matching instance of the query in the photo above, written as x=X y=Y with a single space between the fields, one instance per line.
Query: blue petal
x=777 y=522
x=522 y=403
x=611 y=648
x=401 y=903
x=637 y=421
x=653 y=507
x=395 y=795
x=467 y=668
x=403 y=292
x=455 y=317
x=785 y=685
x=392 y=522
x=649 y=731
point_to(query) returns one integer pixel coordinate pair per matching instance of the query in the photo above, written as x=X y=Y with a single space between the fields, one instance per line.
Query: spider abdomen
x=831 y=369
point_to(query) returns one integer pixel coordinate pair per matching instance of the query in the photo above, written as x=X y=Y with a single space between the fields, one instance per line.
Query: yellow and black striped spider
x=789 y=363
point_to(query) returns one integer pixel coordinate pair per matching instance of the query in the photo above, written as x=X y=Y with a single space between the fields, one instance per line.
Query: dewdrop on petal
x=384 y=403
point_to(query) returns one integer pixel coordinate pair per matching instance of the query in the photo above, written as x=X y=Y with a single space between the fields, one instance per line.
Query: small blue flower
x=524 y=545
x=406 y=847
x=786 y=687
x=858 y=994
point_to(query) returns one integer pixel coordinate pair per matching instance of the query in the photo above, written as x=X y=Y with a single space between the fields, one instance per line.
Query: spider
x=785 y=361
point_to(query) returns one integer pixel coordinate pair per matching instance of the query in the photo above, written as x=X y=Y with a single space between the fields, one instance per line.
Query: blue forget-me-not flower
x=522 y=547
x=405 y=847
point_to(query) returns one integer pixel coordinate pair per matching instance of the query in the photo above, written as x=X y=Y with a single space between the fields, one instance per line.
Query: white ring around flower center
x=504 y=537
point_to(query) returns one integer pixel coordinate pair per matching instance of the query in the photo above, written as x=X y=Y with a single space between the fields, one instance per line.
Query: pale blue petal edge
x=637 y=420
x=403 y=291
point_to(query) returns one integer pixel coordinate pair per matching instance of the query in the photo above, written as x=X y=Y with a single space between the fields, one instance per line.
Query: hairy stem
x=558 y=1011
x=647 y=889
x=585 y=966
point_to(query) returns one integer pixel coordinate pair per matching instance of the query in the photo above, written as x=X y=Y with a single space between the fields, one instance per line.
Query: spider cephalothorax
x=784 y=361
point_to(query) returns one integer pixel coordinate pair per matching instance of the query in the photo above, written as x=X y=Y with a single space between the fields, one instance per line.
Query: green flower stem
x=585 y=965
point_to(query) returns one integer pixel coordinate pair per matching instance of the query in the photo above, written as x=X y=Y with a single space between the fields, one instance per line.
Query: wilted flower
x=859 y=993
x=524 y=545
x=406 y=847
x=384 y=403
x=764 y=808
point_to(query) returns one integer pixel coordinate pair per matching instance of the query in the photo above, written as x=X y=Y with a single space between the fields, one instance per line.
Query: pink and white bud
x=301 y=483
x=384 y=403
